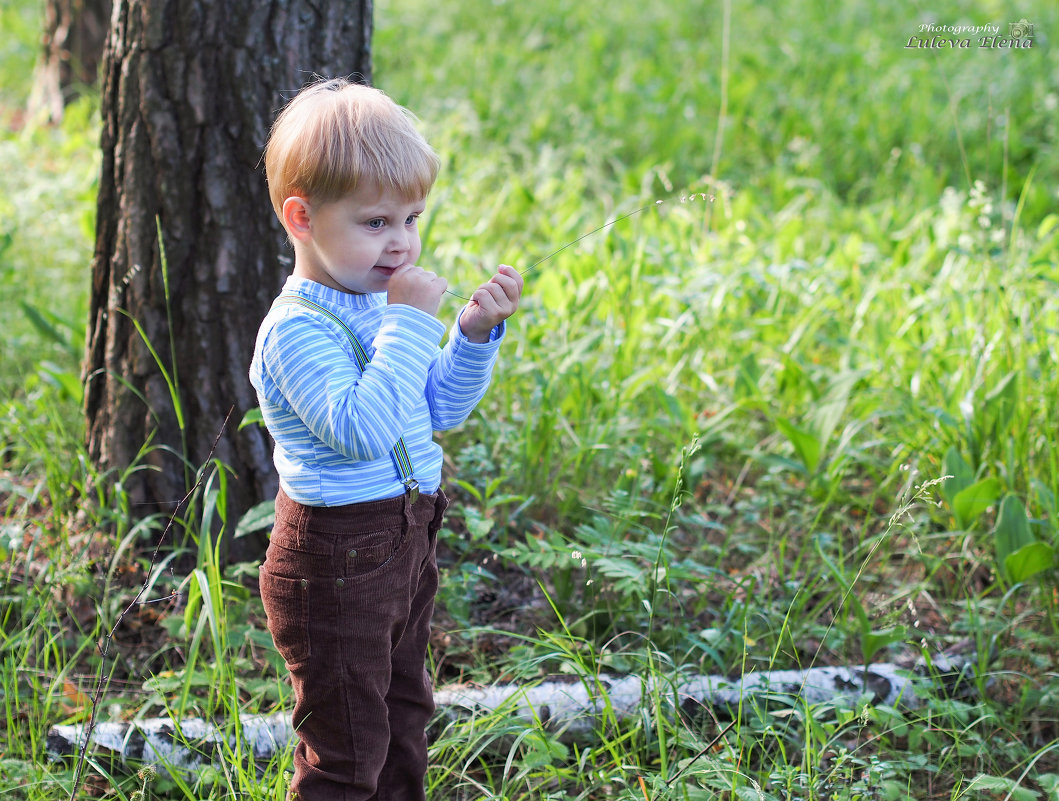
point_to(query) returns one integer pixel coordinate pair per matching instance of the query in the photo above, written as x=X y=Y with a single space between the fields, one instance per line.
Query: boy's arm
x=460 y=376
x=360 y=415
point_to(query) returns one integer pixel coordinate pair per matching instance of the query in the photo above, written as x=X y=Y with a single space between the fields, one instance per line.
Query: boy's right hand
x=414 y=286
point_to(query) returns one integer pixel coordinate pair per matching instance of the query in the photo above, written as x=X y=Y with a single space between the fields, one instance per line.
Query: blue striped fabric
x=334 y=426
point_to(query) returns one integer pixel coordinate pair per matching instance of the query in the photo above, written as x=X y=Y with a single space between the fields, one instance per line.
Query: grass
x=854 y=321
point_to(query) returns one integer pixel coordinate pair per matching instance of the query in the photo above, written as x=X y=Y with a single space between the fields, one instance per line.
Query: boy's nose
x=401 y=241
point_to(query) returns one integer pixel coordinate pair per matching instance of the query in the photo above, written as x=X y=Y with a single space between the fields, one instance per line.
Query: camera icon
x=1021 y=29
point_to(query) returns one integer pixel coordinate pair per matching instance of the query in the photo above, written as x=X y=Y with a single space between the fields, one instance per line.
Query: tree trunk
x=190 y=89
x=74 y=34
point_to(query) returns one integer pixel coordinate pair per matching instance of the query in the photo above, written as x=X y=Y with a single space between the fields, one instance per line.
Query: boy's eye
x=411 y=219
x=376 y=224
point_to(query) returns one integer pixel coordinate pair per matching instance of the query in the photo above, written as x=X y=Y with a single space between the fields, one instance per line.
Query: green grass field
x=801 y=412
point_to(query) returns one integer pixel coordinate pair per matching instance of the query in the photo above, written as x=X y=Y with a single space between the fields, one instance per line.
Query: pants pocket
x=371 y=552
x=286 y=602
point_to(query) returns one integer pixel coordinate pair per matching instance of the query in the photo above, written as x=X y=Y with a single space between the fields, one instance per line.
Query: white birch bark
x=571 y=707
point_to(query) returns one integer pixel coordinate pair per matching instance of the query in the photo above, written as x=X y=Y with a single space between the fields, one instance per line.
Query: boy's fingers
x=511 y=272
x=487 y=293
x=497 y=298
x=416 y=287
x=418 y=274
x=505 y=296
x=511 y=288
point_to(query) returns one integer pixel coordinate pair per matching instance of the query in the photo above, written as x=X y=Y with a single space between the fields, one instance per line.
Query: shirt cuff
x=495 y=336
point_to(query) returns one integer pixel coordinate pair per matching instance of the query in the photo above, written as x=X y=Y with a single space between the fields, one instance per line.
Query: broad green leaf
x=206 y=522
x=792 y=378
x=69 y=382
x=945 y=418
x=806 y=445
x=470 y=489
x=1045 y=499
x=47 y=324
x=617 y=568
x=971 y=501
x=252 y=417
x=962 y=475
x=871 y=642
x=260 y=516
x=1001 y=401
x=542 y=749
x=874 y=641
x=1012 y=530
x=747 y=378
x=984 y=785
x=892 y=790
x=478 y=527
x=1049 y=782
x=829 y=411
x=1029 y=560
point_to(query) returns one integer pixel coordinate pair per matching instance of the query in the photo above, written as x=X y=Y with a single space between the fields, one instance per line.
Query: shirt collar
x=332 y=297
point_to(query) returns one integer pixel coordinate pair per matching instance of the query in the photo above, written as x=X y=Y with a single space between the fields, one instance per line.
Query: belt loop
x=441 y=502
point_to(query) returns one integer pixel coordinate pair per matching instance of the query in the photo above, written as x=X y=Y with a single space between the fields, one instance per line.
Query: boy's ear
x=296 y=217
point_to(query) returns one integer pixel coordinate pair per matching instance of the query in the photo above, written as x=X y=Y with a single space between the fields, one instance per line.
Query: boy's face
x=354 y=244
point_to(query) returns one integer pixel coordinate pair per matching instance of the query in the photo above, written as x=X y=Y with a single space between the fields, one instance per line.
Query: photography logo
x=1021 y=29
x=934 y=36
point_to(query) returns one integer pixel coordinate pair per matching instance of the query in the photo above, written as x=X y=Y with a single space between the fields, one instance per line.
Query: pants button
x=304 y=584
x=352 y=553
x=340 y=583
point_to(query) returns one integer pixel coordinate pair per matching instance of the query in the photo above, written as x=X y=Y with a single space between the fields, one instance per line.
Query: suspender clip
x=412 y=488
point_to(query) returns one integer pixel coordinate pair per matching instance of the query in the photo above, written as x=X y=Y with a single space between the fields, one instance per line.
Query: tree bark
x=74 y=34
x=190 y=89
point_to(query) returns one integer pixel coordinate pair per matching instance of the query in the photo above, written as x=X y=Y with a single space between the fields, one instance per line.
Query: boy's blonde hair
x=335 y=136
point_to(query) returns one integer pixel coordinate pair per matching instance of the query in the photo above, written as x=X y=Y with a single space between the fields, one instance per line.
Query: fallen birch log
x=571 y=708
x=577 y=706
x=157 y=741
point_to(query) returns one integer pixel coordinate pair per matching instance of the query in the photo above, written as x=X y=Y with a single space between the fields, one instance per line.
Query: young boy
x=349 y=578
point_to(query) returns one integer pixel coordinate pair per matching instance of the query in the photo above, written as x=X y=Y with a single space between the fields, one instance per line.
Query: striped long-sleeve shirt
x=334 y=425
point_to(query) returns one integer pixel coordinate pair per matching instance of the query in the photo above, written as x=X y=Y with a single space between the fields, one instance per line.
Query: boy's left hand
x=491 y=304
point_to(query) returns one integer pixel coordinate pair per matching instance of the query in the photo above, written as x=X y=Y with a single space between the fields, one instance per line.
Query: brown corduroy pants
x=349 y=593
